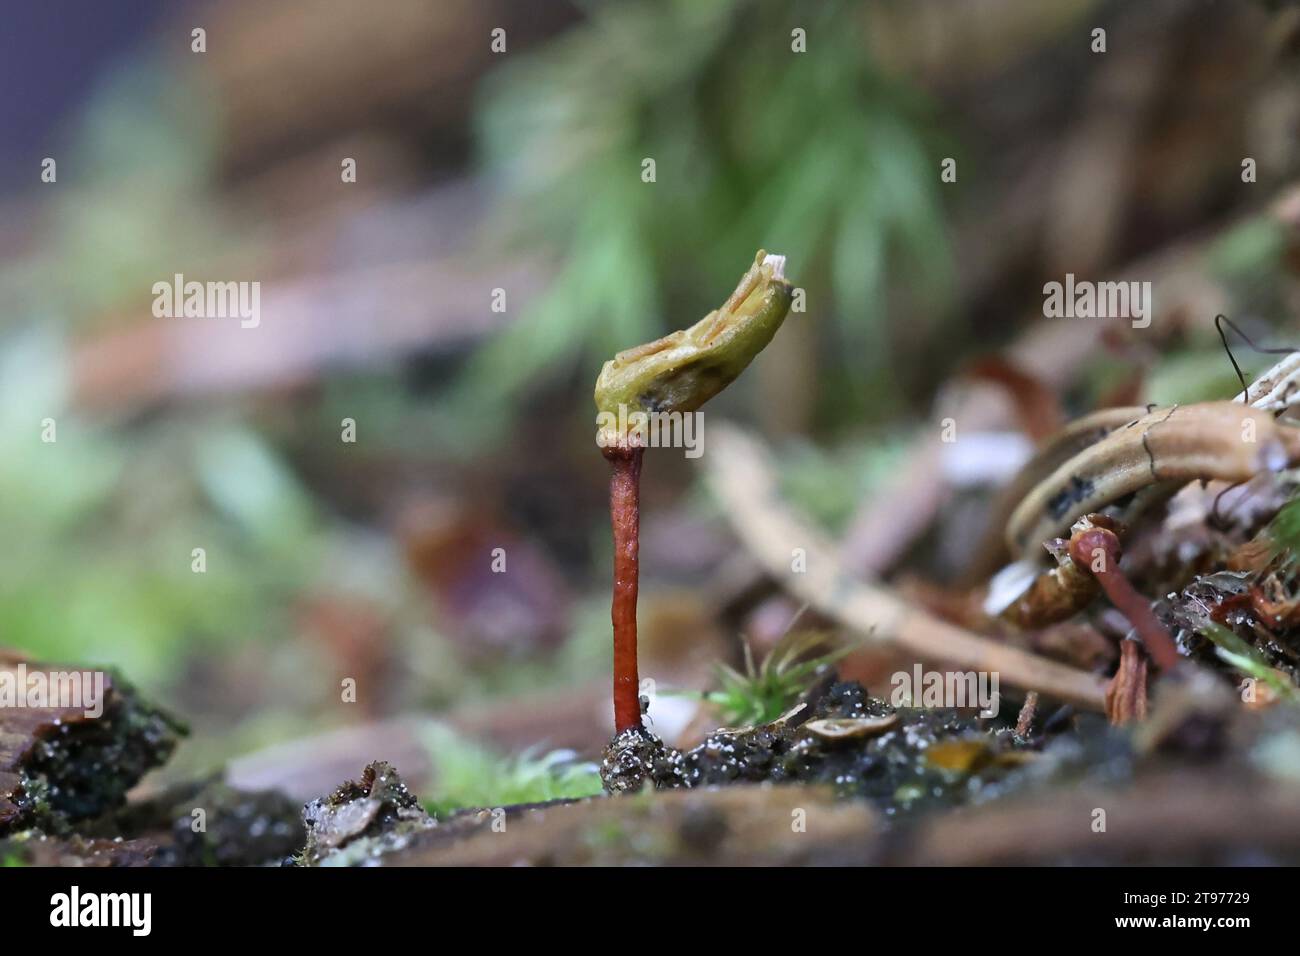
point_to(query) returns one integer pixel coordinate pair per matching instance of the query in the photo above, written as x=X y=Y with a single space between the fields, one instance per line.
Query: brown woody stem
x=625 y=513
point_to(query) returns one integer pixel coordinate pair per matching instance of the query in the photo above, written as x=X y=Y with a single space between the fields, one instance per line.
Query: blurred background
x=513 y=178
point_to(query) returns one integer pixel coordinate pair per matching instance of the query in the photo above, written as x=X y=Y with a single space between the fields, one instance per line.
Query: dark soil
x=902 y=760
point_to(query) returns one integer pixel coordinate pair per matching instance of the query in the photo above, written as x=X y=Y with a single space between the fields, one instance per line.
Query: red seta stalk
x=1155 y=636
x=625 y=515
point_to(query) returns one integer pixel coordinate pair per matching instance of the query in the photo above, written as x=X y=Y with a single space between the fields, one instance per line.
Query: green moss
x=760 y=694
x=467 y=774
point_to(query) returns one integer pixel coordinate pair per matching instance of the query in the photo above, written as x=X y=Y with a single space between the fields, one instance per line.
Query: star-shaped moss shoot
x=677 y=373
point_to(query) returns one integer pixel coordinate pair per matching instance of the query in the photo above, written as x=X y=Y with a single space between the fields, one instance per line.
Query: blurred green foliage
x=814 y=155
x=1284 y=530
x=133 y=201
x=105 y=518
x=830 y=484
x=468 y=774
x=1247 y=261
x=1237 y=652
x=105 y=528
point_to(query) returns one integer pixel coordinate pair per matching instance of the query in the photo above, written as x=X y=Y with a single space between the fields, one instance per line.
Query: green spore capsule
x=683 y=370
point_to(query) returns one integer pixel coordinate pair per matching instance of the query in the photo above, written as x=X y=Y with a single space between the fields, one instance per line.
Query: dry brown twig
x=744 y=480
x=1025 y=720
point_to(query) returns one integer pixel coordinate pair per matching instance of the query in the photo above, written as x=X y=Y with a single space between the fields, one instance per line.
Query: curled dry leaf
x=1210 y=440
x=851 y=728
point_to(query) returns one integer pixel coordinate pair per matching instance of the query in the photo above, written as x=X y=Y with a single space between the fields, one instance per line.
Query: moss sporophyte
x=675 y=374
